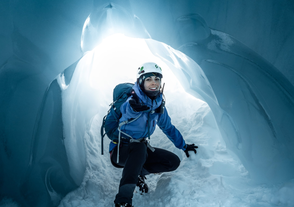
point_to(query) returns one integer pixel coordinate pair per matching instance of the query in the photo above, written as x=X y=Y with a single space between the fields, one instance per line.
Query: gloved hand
x=190 y=147
x=138 y=106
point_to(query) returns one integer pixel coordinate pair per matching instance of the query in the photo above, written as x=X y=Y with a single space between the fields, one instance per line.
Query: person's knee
x=175 y=162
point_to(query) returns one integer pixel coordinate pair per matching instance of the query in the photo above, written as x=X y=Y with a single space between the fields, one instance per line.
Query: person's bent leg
x=161 y=161
x=137 y=154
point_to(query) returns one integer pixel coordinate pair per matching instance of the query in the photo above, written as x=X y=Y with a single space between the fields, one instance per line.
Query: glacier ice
x=251 y=101
x=243 y=91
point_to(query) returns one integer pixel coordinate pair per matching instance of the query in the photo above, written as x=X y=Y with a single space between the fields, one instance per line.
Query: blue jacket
x=139 y=128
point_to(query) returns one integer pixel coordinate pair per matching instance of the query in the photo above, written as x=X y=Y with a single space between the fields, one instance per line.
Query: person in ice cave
x=144 y=108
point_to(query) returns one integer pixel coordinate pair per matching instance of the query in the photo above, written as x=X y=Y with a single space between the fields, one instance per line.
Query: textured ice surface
x=251 y=101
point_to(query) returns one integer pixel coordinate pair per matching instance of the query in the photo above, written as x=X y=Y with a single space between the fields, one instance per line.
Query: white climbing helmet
x=149 y=67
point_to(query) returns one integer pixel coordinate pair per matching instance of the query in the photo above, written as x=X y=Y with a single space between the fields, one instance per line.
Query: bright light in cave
x=116 y=60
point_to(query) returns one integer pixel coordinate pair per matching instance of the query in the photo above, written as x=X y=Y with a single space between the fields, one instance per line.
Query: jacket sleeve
x=164 y=123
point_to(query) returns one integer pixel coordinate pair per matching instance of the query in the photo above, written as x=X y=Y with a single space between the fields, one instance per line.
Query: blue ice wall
x=253 y=84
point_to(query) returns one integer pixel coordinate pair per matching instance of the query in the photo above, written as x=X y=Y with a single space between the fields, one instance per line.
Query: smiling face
x=152 y=83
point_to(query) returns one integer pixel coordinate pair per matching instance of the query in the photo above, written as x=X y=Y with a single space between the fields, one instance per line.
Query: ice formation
x=50 y=115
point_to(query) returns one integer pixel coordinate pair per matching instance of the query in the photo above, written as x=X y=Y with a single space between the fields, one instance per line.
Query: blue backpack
x=110 y=121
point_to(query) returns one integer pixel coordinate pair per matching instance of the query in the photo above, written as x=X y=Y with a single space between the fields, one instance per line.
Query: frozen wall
x=264 y=26
x=39 y=39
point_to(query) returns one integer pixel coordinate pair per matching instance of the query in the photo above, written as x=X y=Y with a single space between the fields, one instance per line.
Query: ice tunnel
x=236 y=61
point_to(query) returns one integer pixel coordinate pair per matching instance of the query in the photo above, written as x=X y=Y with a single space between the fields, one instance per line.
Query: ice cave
x=229 y=78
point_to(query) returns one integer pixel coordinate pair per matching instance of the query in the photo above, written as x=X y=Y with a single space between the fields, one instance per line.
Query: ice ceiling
x=239 y=60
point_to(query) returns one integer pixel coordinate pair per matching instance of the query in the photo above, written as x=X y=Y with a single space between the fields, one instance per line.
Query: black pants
x=137 y=159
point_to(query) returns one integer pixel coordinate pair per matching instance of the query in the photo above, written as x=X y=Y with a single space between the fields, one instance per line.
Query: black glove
x=138 y=106
x=190 y=147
